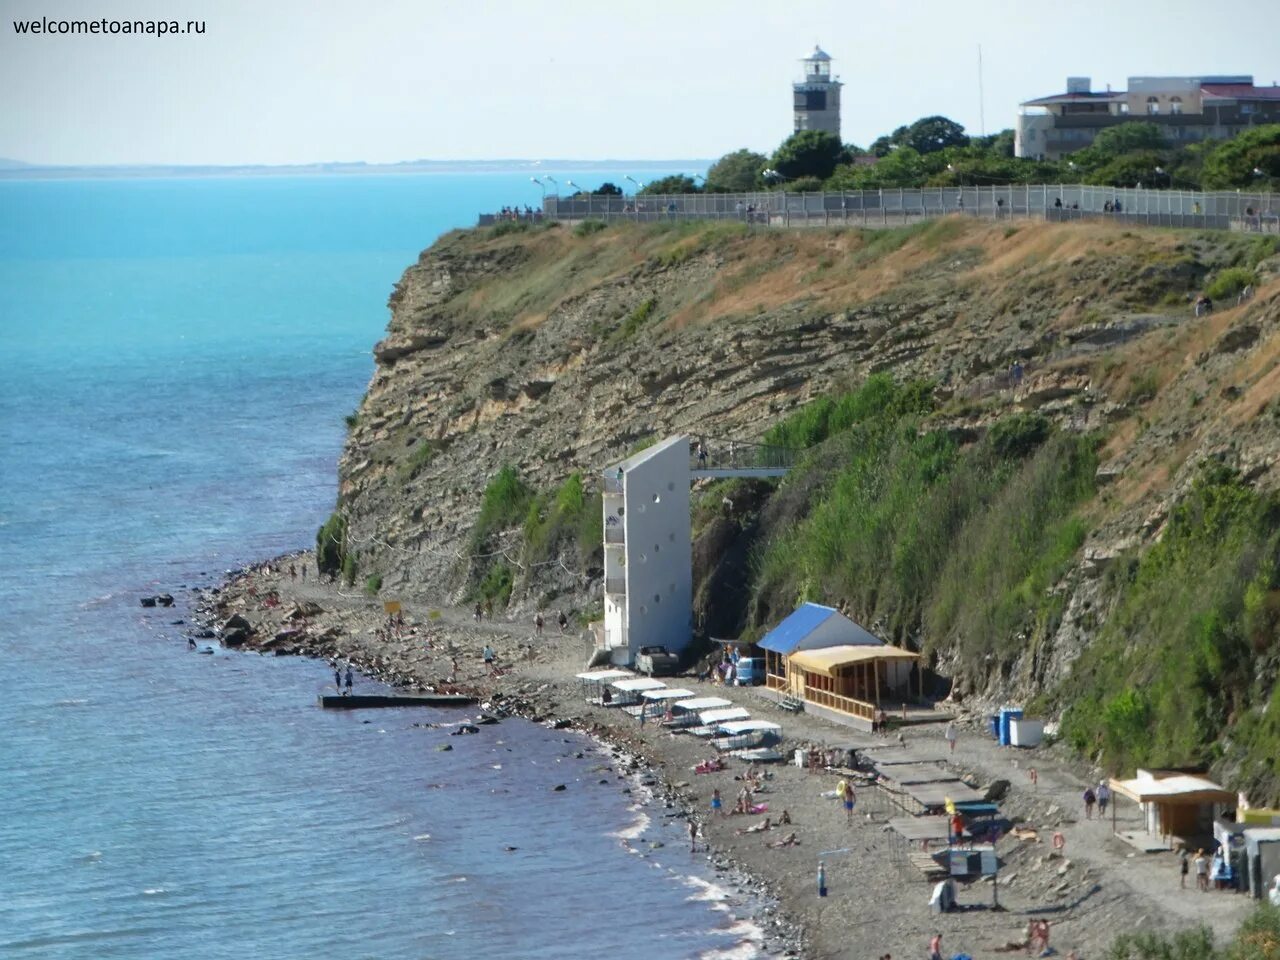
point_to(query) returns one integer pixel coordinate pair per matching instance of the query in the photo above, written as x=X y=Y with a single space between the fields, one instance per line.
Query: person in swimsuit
x=348 y=679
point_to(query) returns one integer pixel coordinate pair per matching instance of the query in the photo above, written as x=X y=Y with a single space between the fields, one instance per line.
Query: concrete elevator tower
x=817 y=96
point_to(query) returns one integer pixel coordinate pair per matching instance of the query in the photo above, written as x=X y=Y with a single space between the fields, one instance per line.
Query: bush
x=496 y=585
x=373 y=584
x=506 y=500
x=504 y=227
x=351 y=419
x=637 y=319
x=349 y=570
x=331 y=544
x=1227 y=283
x=1142 y=388
x=587 y=227
x=420 y=455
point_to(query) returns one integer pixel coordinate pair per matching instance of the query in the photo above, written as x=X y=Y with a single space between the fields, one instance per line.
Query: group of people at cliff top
x=517 y=214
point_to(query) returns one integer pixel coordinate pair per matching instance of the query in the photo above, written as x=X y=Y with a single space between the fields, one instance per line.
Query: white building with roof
x=648 y=554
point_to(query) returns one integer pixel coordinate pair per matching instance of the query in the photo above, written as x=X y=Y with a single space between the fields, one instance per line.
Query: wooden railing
x=775 y=682
x=834 y=701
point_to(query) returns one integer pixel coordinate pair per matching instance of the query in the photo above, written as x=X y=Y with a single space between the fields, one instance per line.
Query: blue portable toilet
x=1007 y=714
x=993 y=722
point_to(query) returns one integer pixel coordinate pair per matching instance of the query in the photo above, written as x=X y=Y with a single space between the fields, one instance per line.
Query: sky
x=299 y=81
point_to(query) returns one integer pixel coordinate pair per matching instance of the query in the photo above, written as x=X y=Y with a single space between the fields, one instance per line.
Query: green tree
x=999 y=144
x=677 y=183
x=737 y=172
x=1131 y=169
x=607 y=190
x=1232 y=164
x=930 y=134
x=808 y=153
x=1128 y=138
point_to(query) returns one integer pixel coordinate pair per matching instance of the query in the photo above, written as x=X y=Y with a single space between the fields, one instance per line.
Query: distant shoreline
x=180 y=172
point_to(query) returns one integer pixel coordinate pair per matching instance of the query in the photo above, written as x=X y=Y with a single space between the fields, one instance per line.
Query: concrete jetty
x=365 y=701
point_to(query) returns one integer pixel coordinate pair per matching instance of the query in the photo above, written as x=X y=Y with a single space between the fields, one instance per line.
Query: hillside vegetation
x=1094 y=530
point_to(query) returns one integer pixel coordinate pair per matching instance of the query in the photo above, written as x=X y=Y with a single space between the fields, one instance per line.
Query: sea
x=176 y=359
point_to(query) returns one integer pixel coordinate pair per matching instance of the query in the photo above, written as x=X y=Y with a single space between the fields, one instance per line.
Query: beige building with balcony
x=1186 y=108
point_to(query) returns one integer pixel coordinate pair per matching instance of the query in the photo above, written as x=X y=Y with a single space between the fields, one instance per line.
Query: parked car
x=750 y=671
x=657 y=660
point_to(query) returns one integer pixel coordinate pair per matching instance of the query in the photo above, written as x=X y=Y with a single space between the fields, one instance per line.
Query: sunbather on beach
x=790 y=840
x=761 y=827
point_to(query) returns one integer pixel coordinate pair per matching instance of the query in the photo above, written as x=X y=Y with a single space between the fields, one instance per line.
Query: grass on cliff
x=548 y=521
x=567 y=514
x=917 y=532
x=1184 y=671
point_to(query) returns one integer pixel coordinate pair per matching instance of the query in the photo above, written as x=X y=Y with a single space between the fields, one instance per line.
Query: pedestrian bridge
x=715 y=458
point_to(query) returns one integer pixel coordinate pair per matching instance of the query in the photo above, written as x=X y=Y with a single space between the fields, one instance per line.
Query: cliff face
x=553 y=351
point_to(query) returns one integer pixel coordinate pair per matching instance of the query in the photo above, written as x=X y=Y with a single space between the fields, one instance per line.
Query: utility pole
x=982 y=100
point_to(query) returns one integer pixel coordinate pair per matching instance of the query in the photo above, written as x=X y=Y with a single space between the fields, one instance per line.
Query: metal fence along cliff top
x=1221 y=210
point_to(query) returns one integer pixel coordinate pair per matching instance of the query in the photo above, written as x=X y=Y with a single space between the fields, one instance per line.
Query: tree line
x=937 y=152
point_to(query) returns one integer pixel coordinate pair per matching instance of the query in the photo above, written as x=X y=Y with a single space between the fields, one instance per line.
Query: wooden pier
x=365 y=701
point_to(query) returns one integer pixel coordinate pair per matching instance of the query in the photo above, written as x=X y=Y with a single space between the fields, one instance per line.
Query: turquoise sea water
x=175 y=361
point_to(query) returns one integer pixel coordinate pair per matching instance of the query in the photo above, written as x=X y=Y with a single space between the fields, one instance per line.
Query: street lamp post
x=542 y=185
x=581 y=189
x=635 y=206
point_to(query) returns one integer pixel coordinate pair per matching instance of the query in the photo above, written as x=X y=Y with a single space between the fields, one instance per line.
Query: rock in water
x=558 y=787
x=147 y=601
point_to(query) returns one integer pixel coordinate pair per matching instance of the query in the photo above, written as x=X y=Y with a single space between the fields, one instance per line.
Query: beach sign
x=390 y=607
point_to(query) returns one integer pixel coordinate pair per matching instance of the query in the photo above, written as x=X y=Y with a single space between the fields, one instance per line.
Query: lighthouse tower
x=817 y=96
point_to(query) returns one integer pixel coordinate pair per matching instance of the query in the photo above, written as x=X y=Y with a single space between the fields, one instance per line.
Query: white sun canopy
x=748 y=726
x=636 y=684
x=672 y=693
x=717 y=716
x=704 y=703
x=600 y=676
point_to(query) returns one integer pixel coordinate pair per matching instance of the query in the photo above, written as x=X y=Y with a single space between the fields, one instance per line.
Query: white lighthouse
x=817 y=96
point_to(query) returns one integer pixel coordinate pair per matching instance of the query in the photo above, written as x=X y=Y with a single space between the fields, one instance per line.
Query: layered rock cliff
x=553 y=351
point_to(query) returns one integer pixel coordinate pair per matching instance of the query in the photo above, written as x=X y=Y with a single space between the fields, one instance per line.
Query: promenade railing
x=1222 y=210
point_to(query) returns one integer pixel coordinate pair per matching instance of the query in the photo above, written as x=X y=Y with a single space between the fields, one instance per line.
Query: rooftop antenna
x=982 y=100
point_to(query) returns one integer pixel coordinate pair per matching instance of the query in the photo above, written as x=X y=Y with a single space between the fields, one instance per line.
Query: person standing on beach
x=1104 y=798
x=563 y=621
x=348 y=679
x=537 y=623
x=950 y=735
x=935 y=947
x=1089 y=799
x=717 y=803
x=337 y=676
x=1184 y=867
x=1202 y=871
x=693 y=835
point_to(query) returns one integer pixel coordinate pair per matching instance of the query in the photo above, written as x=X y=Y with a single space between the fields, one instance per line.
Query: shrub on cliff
x=1225 y=284
x=913 y=530
x=1189 y=652
x=331 y=544
x=506 y=500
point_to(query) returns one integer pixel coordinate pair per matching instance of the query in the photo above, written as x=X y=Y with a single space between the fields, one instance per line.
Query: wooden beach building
x=835 y=666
